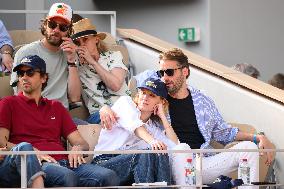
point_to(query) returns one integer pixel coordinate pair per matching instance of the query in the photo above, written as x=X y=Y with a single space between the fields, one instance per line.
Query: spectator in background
x=247 y=69
x=58 y=51
x=6 y=49
x=277 y=80
x=101 y=71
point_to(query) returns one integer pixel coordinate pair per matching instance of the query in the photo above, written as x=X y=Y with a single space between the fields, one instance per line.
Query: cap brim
x=58 y=16
x=150 y=89
x=16 y=68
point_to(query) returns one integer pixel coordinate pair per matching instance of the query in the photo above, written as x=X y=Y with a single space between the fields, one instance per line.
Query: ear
x=185 y=71
x=97 y=39
x=43 y=79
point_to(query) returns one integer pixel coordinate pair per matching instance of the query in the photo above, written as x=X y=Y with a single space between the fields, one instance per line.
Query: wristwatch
x=6 y=52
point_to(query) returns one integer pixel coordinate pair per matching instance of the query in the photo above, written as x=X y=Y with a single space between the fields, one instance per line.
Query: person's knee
x=23 y=146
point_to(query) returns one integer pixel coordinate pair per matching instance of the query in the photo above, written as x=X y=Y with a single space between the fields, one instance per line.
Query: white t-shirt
x=121 y=136
x=56 y=67
x=95 y=93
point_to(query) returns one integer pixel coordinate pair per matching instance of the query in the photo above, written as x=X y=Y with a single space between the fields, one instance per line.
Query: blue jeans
x=94 y=118
x=138 y=168
x=10 y=167
x=86 y=175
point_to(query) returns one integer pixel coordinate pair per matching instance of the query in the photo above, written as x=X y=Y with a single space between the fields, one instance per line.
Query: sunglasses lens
x=20 y=73
x=30 y=72
x=63 y=28
x=53 y=25
x=161 y=73
x=76 y=42
x=170 y=72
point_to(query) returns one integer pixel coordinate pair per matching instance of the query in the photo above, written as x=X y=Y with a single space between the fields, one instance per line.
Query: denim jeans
x=94 y=118
x=10 y=167
x=86 y=175
x=138 y=168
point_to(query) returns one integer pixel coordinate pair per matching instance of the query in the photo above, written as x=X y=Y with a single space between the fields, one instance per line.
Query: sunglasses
x=62 y=27
x=169 y=72
x=29 y=72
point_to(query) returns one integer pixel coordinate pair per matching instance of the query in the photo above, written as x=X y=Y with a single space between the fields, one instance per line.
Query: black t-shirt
x=184 y=122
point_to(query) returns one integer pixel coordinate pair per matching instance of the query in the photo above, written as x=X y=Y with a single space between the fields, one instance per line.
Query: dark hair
x=176 y=54
x=42 y=74
x=277 y=81
x=43 y=26
x=76 y=18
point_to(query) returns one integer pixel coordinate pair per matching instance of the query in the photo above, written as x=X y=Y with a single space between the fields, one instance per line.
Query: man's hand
x=7 y=62
x=44 y=157
x=69 y=48
x=108 y=117
x=2 y=156
x=264 y=143
x=76 y=159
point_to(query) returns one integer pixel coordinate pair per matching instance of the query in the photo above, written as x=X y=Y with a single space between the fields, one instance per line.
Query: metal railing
x=198 y=152
x=111 y=13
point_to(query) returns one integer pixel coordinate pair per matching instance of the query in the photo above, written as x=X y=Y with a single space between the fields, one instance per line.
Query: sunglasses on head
x=52 y=25
x=169 y=72
x=29 y=72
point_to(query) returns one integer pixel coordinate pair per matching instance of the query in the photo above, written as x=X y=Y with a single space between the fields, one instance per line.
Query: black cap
x=33 y=61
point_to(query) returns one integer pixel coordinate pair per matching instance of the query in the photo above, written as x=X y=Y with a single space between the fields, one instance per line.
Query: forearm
x=113 y=79
x=142 y=133
x=74 y=85
x=170 y=133
x=80 y=147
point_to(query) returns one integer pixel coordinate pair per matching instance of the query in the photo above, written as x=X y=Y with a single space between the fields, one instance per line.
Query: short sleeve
x=116 y=60
x=129 y=115
x=5 y=114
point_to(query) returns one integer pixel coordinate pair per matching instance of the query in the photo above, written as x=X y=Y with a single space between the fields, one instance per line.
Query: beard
x=53 y=39
x=176 y=85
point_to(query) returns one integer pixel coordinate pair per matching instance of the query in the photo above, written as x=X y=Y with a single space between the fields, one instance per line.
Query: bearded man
x=58 y=51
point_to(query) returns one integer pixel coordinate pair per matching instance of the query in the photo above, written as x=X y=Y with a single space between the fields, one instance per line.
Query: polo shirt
x=41 y=125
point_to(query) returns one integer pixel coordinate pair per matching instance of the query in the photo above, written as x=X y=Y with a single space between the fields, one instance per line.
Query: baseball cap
x=60 y=10
x=33 y=61
x=154 y=85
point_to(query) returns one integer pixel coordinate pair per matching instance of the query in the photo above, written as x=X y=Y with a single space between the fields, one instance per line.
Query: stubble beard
x=177 y=85
x=52 y=41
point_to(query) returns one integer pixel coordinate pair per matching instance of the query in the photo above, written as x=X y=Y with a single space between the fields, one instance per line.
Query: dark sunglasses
x=169 y=72
x=29 y=72
x=52 y=25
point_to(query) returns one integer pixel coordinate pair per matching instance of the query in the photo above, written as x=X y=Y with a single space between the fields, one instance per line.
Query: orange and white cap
x=60 y=10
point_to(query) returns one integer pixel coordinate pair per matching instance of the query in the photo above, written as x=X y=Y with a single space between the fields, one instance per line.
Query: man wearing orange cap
x=58 y=51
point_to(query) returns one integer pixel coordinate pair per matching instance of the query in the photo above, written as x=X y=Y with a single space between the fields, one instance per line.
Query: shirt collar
x=42 y=101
